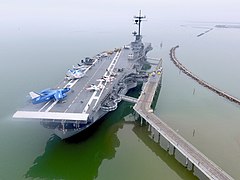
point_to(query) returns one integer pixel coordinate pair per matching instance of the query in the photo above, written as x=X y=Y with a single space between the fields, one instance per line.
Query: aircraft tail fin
x=33 y=95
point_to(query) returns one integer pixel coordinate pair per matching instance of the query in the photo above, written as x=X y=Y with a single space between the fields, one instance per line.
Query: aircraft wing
x=58 y=95
x=46 y=91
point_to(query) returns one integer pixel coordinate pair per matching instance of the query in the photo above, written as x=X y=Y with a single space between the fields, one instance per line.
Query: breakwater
x=205 y=32
x=200 y=81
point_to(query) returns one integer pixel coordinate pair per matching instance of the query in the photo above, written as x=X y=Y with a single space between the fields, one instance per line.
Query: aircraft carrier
x=107 y=76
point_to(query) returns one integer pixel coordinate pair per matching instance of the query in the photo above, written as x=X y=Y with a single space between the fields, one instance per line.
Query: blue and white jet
x=74 y=74
x=48 y=94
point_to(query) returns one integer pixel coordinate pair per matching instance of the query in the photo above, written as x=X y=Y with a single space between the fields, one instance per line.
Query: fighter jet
x=106 y=79
x=74 y=74
x=80 y=67
x=48 y=94
x=93 y=87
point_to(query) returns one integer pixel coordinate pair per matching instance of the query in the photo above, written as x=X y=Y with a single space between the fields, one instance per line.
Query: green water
x=112 y=152
x=40 y=42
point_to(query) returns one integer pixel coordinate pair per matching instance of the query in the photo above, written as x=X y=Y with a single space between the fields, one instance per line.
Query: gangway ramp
x=129 y=99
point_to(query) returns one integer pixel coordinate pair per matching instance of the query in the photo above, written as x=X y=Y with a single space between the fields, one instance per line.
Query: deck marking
x=70 y=84
x=50 y=107
x=44 y=106
x=112 y=65
x=103 y=62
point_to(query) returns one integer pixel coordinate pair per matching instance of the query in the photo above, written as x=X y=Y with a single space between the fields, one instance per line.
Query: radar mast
x=138 y=20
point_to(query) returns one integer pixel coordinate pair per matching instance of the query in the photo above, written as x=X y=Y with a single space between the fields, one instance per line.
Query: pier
x=200 y=81
x=170 y=140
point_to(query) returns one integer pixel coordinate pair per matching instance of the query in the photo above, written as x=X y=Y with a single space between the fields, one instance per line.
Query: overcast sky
x=19 y=11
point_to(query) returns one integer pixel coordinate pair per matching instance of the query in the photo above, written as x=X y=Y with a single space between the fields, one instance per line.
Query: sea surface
x=36 y=56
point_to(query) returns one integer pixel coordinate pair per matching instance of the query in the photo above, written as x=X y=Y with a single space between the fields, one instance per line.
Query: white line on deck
x=112 y=65
x=85 y=86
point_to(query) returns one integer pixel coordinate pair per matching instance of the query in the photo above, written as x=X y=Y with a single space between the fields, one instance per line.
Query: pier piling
x=171 y=141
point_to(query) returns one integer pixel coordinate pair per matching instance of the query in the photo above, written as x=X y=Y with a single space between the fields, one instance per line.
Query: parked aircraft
x=80 y=67
x=74 y=74
x=106 y=79
x=93 y=87
x=48 y=94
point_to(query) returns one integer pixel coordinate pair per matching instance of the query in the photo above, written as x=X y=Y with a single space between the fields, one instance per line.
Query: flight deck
x=80 y=100
x=91 y=89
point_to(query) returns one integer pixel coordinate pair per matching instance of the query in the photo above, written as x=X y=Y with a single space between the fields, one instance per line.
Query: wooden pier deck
x=192 y=155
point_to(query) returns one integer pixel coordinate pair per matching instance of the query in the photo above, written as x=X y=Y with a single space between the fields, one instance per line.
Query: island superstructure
x=104 y=79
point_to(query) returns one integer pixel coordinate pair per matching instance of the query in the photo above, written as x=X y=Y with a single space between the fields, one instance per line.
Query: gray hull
x=105 y=79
